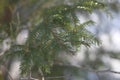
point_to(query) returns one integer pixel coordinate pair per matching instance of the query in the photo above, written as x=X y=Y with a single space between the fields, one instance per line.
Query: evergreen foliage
x=59 y=29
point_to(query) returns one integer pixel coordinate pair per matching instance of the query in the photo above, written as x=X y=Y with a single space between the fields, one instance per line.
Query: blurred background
x=107 y=55
x=103 y=57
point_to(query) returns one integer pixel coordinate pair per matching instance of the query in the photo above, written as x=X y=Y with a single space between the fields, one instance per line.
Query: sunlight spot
x=14 y=70
x=105 y=41
x=22 y=37
x=115 y=34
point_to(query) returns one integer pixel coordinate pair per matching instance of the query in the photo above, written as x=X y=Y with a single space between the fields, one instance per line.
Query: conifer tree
x=55 y=28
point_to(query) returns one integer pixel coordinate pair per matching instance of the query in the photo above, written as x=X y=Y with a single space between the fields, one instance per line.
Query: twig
x=18 y=18
x=55 y=77
x=92 y=70
x=116 y=72
x=1 y=53
x=10 y=77
x=98 y=71
x=42 y=74
x=98 y=77
x=29 y=77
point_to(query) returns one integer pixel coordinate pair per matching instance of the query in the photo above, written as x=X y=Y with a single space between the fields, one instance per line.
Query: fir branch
x=43 y=42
